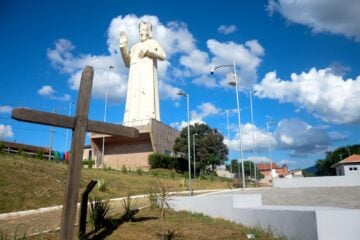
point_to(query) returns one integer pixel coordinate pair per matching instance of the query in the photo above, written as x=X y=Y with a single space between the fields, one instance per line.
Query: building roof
x=349 y=160
x=267 y=167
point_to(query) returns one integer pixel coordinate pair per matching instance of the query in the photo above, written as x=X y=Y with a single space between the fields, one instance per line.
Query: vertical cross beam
x=76 y=154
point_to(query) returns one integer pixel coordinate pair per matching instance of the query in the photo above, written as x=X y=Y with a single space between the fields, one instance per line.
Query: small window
x=355 y=168
x=351 y=169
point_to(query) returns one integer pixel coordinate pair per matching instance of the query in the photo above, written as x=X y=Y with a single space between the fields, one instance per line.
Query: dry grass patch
x=29 y=183
x=180 y=225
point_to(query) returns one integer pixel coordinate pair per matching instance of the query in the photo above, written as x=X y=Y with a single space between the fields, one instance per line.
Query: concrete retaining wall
x=293 y=222
x=334 y=181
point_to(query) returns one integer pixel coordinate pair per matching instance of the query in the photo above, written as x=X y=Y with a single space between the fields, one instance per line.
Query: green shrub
x=155 y=172
x=139 y=171
x=130 y=210
x=2 y=147
x=124 y=169
x=40 y=154
x=173 y=174
x=152 y=195
x=157 y=160
x=98 y=211
x=103 y=186
x=21 y=152
x=89 y=163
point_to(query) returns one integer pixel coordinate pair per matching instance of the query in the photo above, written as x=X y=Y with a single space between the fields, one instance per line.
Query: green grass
x=29 y=183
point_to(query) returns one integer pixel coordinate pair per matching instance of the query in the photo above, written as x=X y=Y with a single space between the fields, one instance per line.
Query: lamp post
x=228 y=133
x=51 y=139
x=268 y=129
x=106 y=99
x=195 y=134
x=253 y=134
x=235 y=83
x=182 y=93
x=67 y=130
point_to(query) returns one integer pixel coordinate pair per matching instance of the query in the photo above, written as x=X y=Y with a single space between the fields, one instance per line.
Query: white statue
x=142 y=100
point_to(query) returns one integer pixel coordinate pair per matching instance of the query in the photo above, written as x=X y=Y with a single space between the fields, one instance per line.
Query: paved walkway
x=344 y=197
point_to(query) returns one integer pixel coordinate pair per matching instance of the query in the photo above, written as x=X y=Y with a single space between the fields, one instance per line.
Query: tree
x=323 y=166
x=209 y=146
x=248 y=165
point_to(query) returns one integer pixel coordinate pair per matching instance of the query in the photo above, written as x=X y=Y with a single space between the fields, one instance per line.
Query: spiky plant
x=129 y=206
x=163 y=202
x=98 y=211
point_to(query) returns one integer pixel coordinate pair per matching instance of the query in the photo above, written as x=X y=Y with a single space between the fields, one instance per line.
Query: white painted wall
x=292 y=222
x=352 y=170
x=333 y=181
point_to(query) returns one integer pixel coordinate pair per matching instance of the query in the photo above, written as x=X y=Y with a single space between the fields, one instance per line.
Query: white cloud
x=327 y=96
x=196 y=61
x=206 y=81
x=6 y=131
x=5 y=109
x=226 y=29
x=61 y=57
x=204 y=110
x=49 y=92
x=333 y=16
x=294 y=135
x=259 y=159
x=46 y=91
x=184 y=60
x=300 y=137
x=262 y=139
x=338 y=136
x=197 y=116
x=287 y=162
x=246 y=56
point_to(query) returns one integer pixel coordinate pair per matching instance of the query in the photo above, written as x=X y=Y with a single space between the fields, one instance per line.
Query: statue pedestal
x=119 y=151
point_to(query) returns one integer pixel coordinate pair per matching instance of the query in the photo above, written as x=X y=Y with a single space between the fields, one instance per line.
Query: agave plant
x=98 y=211
x=103 y=186
x=130 y=210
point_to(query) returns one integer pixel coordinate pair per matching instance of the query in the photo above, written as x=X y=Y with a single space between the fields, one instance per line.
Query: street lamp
x=106 y=99
x=67 y=130
x=182 y=93
x=235 y=83
x=253 y=134
x=195 y=134
x=268 y=129
x=228 y=133
x=51 y=139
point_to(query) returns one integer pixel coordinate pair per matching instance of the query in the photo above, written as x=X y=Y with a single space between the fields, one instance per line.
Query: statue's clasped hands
x=123 y=40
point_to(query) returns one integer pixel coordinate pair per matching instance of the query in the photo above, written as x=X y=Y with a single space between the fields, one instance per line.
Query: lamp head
x=182 y=93
x=212 y=70
x=232 y=83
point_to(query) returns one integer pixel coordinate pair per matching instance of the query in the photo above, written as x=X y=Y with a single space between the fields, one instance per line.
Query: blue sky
x=300 y=59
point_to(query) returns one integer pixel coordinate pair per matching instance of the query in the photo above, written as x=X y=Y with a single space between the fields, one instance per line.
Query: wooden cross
x=80 y=125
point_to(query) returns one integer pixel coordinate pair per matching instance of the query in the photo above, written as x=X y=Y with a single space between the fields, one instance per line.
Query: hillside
x=29 y=183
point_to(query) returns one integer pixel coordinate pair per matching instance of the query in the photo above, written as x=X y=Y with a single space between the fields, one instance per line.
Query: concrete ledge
x=333 y=181
x=292 y=222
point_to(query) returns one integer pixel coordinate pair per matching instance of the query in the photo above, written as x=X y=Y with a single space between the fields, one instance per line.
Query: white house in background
x=297 y=173
x=349 y=166
x=222 y=172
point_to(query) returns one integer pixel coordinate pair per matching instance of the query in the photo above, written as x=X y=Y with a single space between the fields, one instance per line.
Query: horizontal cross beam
x=57 y=120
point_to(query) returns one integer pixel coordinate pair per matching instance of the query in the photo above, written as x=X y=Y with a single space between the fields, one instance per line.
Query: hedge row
x=157 y=160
